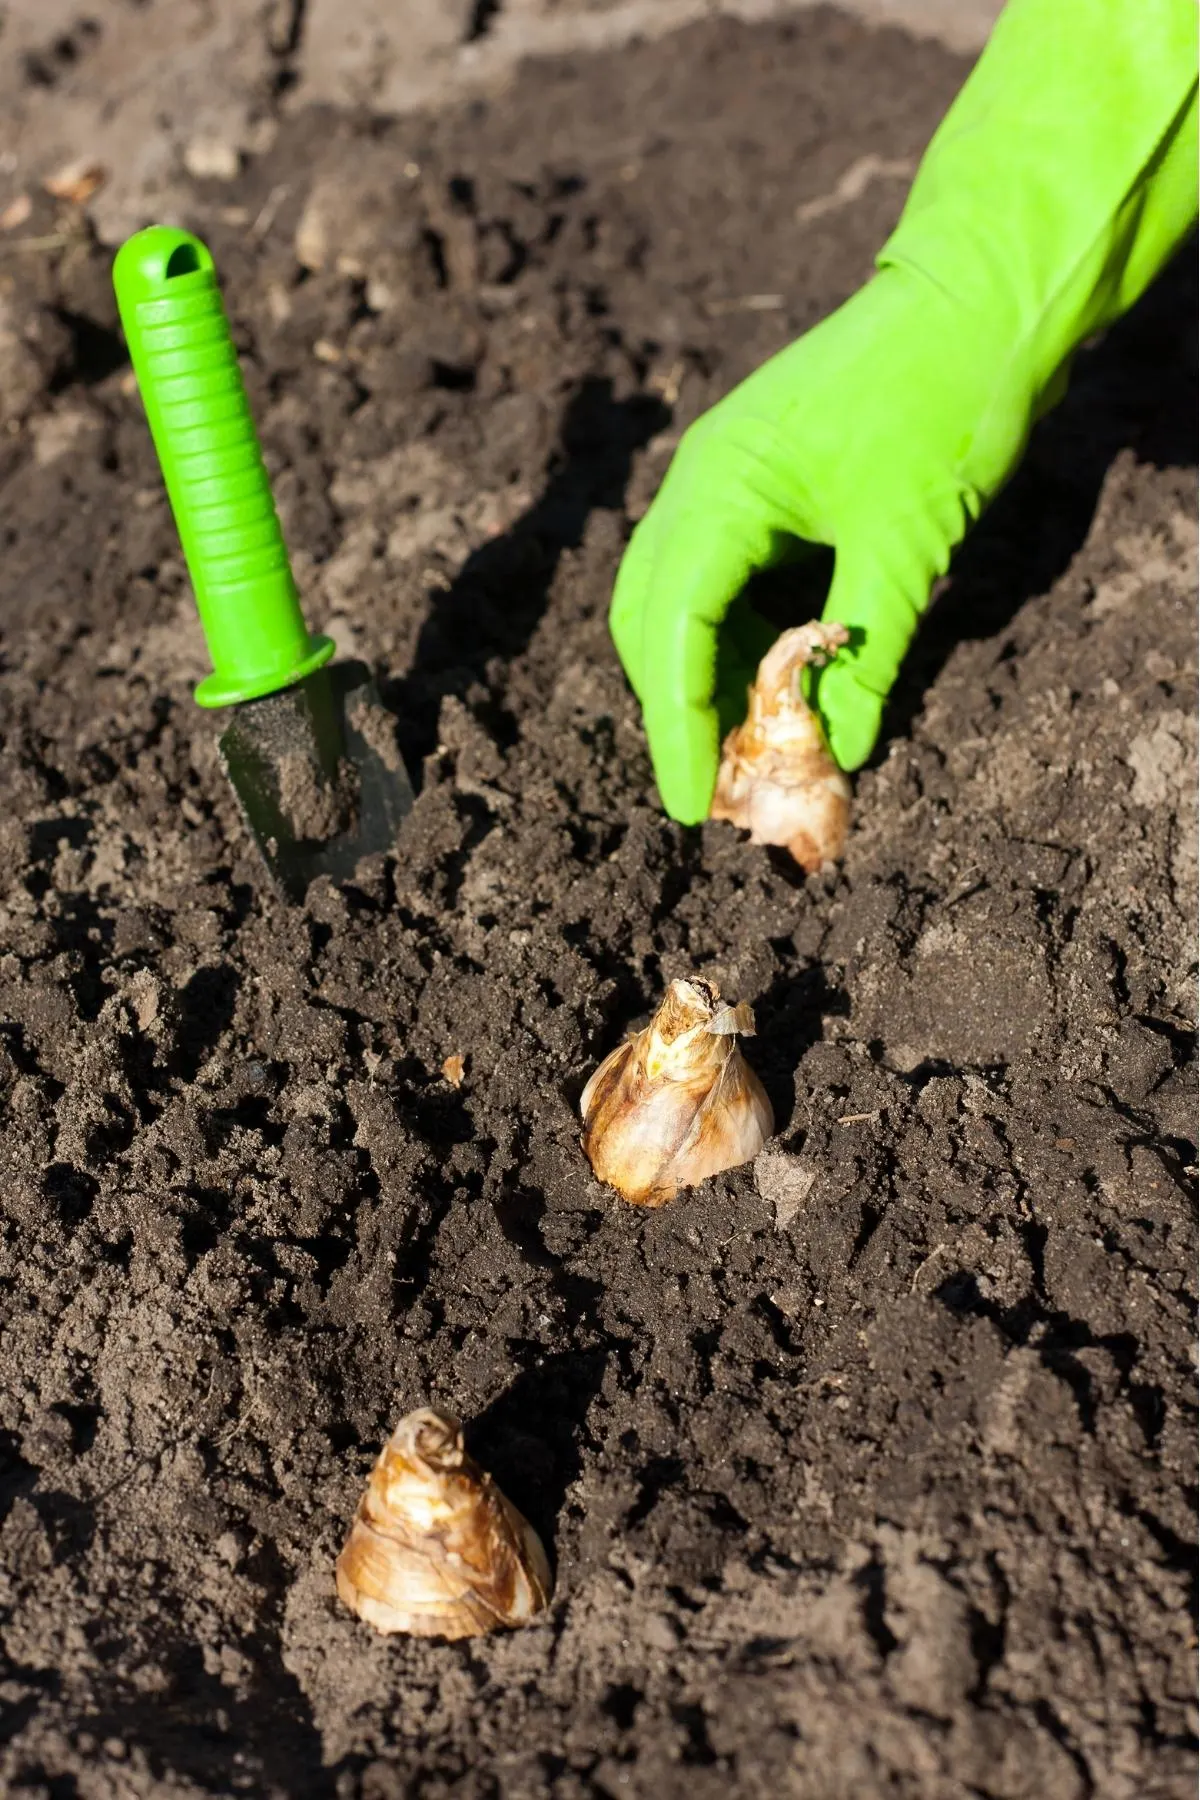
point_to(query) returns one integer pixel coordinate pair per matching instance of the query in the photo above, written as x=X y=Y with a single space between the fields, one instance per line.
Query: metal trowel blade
x=318 y=776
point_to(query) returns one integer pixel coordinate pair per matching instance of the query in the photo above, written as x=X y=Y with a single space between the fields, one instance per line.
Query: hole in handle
x=183 y=260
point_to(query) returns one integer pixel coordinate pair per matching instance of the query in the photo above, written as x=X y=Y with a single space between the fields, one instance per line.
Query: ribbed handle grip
x=199 y=416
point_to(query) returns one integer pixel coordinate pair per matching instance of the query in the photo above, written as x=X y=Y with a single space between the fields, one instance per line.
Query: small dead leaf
x=454 y=1068
x=16 y=212
x=784 y=1181
x=76 y=181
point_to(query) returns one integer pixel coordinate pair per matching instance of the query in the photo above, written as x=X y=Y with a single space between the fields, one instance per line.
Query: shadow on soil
x=199 y=1726
x=1135 y=390
x=529 y=1436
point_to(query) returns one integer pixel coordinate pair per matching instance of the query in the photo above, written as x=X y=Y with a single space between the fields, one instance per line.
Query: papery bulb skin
x=777 y=779
x=435 y=1549
x=677 y=1102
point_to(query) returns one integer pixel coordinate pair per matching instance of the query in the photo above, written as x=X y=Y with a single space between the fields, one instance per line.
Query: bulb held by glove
x=777 y=779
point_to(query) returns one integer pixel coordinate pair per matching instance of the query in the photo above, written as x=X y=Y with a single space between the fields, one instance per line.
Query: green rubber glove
x=1058 y=185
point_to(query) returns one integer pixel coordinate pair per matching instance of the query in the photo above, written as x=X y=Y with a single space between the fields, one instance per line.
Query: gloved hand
x=1057 y=186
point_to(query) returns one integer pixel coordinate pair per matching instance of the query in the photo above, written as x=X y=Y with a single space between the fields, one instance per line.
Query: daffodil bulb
x=435 y=1549
x=676 y=1102
x=777 y=779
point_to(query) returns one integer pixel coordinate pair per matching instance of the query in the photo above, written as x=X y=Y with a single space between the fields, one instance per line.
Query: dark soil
x=877 y=1489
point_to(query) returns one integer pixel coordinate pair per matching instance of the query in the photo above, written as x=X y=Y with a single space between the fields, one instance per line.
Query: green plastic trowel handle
x=191 y=386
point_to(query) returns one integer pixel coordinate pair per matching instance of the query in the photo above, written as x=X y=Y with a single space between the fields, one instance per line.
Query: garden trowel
x=310 y=750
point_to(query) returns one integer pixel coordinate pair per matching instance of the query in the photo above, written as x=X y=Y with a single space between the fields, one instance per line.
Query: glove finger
x=742 y=641
x=627 y=607
x=851 y=715
x=703 y=558
x=879 y=595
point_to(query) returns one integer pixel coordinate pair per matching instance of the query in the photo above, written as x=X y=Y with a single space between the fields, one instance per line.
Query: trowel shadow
x=492 y=607
x=1137 y=390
